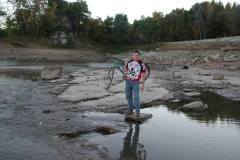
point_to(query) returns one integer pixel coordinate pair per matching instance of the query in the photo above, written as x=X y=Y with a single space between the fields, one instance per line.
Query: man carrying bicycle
x=135 y=73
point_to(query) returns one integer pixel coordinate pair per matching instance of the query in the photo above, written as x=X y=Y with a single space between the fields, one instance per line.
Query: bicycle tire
x=108 y=79
x=148 y=71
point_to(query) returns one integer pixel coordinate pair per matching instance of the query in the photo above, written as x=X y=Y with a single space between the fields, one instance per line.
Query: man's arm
x=142 y=80
x=142 y=77
x=125 y=68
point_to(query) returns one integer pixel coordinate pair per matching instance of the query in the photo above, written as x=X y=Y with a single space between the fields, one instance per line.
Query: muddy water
x=27 y=133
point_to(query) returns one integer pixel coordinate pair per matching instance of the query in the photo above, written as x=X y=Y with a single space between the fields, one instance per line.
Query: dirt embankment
x=76 y=55
x=225 y=44
x=20 y=50
x=9 y=51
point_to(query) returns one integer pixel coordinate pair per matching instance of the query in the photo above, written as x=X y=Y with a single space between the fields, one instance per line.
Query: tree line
x=42 y=18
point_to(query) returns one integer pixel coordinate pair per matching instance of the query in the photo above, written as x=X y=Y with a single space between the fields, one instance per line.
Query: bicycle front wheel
x=108 y=78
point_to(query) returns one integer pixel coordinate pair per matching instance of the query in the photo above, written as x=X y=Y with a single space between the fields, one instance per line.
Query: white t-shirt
x=134 y=70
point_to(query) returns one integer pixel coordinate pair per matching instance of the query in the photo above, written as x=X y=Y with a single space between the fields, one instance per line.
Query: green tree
x=27 y=16
x=150 y=28
x=147 y=30
x=178 y=25
x=108 y=29
x=96 y=30
x=203 y=14
x=48 y=22
x=121 y=29
x=2 y=13
x=234 y=20
x=78 y=15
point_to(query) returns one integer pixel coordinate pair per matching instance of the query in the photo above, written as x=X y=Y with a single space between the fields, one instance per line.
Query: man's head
x=136 y=55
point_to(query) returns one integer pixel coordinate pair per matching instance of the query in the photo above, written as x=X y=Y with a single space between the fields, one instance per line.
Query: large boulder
x=51 y=72
x=218 y=76
x=196 y=106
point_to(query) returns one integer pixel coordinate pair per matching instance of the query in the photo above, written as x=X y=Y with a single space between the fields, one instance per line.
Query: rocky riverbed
x=86 y=87
x=61 y=118
x=56 y=119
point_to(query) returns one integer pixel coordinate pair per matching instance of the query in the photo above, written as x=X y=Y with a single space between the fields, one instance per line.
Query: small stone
x=185 y=67
x=215 y=57
x=204 y=73
x=187 y=90
x=176 y=100
x=71 y=134
x=218 y=76
x=192 y=94
x=176 y=75
x=46 y=111
x=106 y=130
x=206 y=59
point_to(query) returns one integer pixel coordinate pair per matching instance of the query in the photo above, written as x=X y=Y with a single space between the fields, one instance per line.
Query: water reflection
x=132 y=149
x=220 y=109
x=27 y=74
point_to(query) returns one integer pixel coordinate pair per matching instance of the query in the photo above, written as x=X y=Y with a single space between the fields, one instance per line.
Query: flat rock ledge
x=143 y=117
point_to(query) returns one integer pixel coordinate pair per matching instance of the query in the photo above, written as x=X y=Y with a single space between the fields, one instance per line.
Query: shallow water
x=172 y=135
x=40 y=63
x=169 y=135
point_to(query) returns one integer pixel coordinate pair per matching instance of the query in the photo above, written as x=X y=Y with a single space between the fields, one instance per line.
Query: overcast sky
x=135 y=8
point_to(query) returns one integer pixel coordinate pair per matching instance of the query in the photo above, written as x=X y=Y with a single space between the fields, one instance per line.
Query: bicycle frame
x=117 y=64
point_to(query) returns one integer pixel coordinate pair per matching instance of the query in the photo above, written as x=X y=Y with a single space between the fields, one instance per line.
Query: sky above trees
x=134 y=9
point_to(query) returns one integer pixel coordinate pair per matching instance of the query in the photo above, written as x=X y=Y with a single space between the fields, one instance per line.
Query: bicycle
x=118 y=64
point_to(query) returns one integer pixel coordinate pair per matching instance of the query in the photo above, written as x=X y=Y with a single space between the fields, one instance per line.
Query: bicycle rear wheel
x=148 y=71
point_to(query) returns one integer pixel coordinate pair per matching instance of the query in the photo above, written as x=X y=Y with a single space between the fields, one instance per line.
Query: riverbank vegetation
x=72 y=22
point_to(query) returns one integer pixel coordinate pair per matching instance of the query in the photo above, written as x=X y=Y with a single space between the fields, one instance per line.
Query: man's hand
x=142 y=87
x=125 y=75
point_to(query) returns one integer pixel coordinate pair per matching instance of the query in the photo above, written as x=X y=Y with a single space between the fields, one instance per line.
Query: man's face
x=136 y=56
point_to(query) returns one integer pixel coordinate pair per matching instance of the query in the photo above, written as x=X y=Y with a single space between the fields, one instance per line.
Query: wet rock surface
x=32 y=118
x=88 y=93
x=138 y=118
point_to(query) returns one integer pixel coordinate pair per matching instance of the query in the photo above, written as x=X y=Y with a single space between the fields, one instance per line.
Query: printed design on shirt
x=134 y=70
